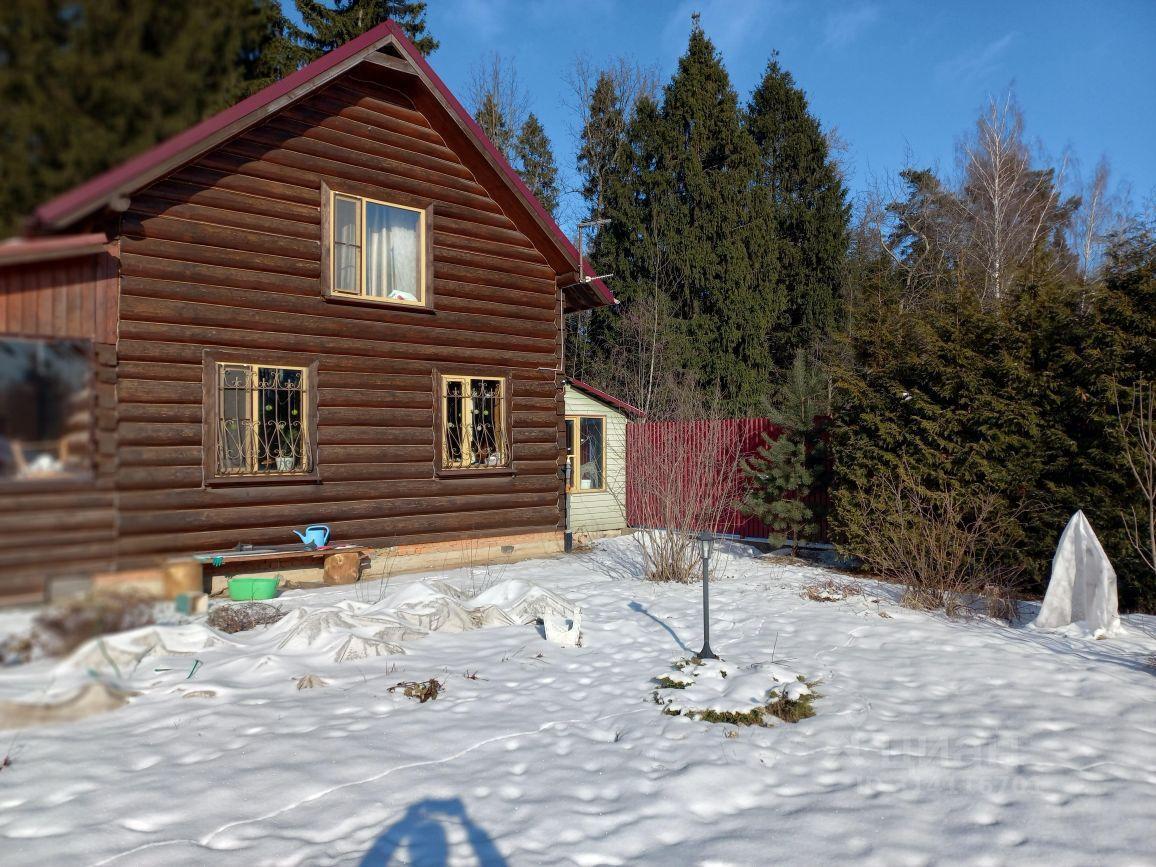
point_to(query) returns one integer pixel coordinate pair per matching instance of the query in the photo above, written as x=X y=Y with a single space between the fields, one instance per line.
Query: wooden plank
x=471 y=328
x=214 y=329
x=498 y=521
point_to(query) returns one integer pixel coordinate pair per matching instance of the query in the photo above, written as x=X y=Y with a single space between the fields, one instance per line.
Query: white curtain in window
x=392 y=237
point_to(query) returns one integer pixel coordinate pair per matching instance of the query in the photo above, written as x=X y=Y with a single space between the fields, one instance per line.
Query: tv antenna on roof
x=588 y=224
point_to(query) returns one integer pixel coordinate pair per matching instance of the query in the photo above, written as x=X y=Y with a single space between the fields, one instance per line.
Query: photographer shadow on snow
x=424 y=835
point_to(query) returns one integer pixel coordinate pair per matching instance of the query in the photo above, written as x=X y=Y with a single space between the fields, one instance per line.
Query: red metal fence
x=692 y=437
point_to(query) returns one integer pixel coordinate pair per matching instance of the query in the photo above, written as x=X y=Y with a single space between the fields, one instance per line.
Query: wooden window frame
x=329 y=193
x=572 y=459
x=212 y=360
x=440 y=378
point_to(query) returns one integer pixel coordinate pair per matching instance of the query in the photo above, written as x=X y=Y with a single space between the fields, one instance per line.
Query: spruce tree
x=808 y=204
x=329 y=26
x=780 y=479
x=85 y=85
x=534 y=161
x=497 y=127
x=1014 y=400
x=601 y=141
x=686 y=224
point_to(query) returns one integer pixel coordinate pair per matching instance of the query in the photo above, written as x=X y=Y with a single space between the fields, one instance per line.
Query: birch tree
x=1008 y=205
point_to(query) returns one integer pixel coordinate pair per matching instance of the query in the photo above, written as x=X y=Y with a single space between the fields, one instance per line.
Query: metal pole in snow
x=706 y=543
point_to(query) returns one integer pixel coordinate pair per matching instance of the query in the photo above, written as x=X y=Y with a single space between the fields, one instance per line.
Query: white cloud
x=975 y=64
x=730 y=24
x=485 y=19
x=844 y=26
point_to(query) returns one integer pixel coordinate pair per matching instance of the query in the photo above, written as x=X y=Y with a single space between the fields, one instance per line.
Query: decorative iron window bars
x=474 y=434
x=261 y=427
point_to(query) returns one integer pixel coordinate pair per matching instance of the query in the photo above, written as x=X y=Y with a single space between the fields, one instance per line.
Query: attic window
x=376 y=250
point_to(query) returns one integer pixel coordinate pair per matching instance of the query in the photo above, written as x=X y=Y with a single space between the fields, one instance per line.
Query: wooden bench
x=341 y=563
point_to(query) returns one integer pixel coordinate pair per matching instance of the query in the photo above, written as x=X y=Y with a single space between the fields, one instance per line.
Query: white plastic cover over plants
x=344 y=630
x=1081 y=595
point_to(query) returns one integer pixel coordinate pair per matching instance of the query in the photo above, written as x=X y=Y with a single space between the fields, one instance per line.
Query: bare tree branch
x=1138 y=429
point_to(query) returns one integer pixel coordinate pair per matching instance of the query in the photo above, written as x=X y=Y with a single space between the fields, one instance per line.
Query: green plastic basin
x=248 y=589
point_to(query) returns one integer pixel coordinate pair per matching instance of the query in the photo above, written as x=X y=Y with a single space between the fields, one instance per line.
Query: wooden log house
x=334 y=302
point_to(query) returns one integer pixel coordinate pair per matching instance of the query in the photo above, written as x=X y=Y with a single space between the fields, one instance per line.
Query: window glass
x=346 y=244
x=235 y=426
x=591 y=453
x=454 y=410
x=392 y=258
x=570 y=475
x=45 y=408
x=486 y=394
x=279 y=405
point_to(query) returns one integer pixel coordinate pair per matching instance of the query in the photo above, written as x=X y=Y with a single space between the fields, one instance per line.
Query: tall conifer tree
x=687 y=224
x=329 y=25
x=808 y=204
x=535 y=163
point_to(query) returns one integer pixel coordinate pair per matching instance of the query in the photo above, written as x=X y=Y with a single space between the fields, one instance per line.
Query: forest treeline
x=971 y=348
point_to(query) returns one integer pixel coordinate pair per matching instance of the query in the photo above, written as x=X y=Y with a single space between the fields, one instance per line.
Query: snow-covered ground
x=935 y=741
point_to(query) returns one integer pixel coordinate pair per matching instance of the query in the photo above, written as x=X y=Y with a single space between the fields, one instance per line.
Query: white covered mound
x=342 y=631
x=1081 y=595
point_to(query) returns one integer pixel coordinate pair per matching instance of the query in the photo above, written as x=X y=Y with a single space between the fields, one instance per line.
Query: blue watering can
x=315 y=534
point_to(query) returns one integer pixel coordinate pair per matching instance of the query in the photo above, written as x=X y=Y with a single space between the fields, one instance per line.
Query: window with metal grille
x=474 y=434
x=262 y=420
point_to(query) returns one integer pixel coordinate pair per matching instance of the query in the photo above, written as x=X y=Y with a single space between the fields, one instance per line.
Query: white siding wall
x=601 y=511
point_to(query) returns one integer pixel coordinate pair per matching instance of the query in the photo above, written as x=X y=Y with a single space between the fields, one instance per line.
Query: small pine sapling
x=780 y=479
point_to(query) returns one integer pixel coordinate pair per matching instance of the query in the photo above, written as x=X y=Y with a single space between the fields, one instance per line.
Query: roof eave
x=125 y=179
x=27 y=251
x=602 y=397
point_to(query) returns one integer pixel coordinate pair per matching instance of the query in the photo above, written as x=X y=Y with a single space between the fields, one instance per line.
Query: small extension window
x=377 y=250
x=473 y=411
x=586 y=453
x=46 y=409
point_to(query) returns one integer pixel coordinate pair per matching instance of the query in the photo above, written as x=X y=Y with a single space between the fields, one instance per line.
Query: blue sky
x=896 y=77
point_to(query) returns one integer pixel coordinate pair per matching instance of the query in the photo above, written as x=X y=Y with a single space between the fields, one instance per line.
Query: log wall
x=226 y=252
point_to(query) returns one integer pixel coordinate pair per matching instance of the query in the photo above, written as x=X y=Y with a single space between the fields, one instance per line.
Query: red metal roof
x=143 y=168
x=599 y=394
x=20 y=251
